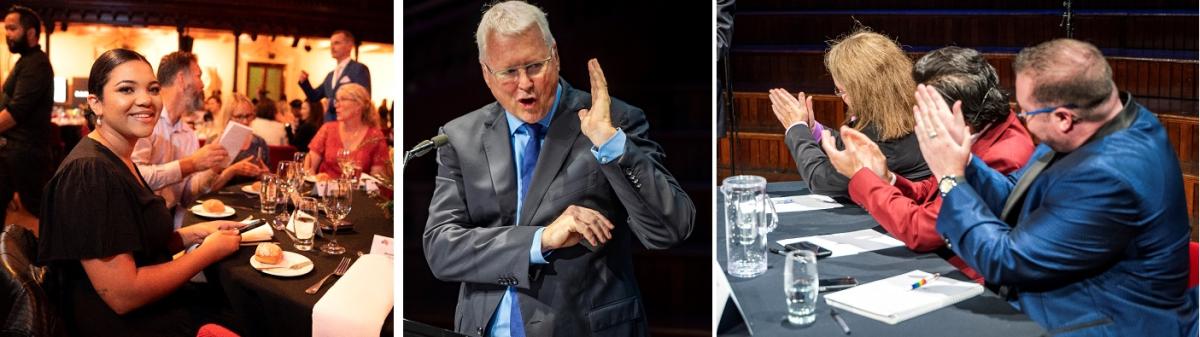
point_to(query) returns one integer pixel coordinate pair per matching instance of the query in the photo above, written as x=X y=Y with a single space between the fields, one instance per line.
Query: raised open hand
x=789 y=110
x=596 y=122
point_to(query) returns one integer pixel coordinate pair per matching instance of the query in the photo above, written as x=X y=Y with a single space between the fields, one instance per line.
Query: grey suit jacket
x=472 y=235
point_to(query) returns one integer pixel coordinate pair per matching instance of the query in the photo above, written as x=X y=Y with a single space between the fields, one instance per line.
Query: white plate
x=199 y=210
x=289 y=258
x=249 y=188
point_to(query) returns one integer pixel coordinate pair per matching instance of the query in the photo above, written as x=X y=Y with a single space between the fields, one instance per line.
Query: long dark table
x=762 y=303
x=277 y=306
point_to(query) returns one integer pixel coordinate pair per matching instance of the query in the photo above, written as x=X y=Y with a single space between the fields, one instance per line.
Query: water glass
x=268 y=196
x=338 y=197
x=800 y=286
x=749 y=216
x=305 y=222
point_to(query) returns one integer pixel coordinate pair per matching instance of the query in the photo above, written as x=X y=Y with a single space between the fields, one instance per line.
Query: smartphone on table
x=830 y=284
x=821 y=252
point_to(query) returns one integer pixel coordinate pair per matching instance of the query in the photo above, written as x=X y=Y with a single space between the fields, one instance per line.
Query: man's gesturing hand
x=596 y=122
x=575 y=223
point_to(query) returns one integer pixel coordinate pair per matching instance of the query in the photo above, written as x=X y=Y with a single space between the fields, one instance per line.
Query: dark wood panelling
x=992 y=29
x=805 y=69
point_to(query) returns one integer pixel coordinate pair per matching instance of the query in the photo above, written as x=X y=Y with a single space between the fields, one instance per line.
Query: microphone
x=425 y=146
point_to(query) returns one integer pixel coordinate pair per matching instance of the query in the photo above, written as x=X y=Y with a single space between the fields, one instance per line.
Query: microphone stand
x=1066 y=19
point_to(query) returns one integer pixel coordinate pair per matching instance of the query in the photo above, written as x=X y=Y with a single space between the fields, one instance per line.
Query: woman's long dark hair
x=316 y=113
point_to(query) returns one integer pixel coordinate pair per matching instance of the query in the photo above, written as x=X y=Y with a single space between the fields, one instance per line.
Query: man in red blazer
x=908 y=210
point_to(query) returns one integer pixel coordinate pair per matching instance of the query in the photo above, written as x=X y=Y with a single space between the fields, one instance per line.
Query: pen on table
x=924 y=281
x=776 y=251
x=838 y=318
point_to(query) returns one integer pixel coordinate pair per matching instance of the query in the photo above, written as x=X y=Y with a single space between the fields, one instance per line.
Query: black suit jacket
x=473 y=237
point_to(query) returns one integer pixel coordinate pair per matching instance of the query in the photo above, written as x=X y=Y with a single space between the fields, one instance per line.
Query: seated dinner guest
x=356 y=129
x=107 y=240
x=265 y=125
x=1090 y=238
x=874 y=77
x=250 y=161
x=908 y=210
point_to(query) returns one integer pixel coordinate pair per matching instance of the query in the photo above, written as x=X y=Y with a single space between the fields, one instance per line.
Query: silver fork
x=341 y=270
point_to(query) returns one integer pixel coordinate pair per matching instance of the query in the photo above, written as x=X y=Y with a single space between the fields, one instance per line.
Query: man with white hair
x=1090 y=237
x=540 y=194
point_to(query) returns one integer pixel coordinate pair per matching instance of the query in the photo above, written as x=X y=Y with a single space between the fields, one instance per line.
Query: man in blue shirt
x=539 y=195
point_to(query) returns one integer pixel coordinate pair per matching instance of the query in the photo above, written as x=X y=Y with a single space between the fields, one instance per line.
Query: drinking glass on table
x=287 y=184
x=345 y=161
x=338 y=196
x=268 y=197
x=305 y=223
x=298 y=157
x=800 y=286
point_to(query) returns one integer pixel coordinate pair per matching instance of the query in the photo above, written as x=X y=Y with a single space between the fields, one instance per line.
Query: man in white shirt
x=171 y=159
x=347 y=71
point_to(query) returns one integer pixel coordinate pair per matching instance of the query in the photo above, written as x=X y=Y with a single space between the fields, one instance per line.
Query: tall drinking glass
x=286 y=184
x=298 y=157
x=749 y=216
x=305 y=223
x=345 y=160
x=338 y=197
x=800 y=286
x=268 y=197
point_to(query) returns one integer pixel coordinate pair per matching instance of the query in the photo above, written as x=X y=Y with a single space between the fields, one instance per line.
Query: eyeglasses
x=1027 y=114
x=245 y=117
x=512 y=73
x=839 y=92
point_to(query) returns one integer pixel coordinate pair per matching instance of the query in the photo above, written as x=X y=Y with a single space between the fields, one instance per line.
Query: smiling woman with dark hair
x=106 y=239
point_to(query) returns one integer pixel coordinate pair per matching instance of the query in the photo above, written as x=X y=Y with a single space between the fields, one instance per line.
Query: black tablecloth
x=761 y=298
x=277 y=306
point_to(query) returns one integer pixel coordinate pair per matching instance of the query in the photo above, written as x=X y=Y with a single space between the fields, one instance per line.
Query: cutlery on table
x=341 y=270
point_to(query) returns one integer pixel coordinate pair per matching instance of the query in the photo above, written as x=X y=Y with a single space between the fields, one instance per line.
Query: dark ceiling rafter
x=369 y=20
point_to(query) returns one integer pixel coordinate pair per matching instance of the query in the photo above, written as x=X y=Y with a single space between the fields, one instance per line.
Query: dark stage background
x=656 y=55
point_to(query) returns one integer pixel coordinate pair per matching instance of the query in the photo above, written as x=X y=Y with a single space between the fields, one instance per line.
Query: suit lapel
x=500 y=161
x=1018 y=192
x=561 y=137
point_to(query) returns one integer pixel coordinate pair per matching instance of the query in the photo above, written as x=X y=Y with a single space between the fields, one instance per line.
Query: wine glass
x=345 y=160
x=338 y=197
x=286 y=183
x=298 y=157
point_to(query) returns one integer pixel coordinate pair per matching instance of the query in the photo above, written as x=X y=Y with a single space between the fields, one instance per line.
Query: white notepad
x=892 y=300
x=233 y=138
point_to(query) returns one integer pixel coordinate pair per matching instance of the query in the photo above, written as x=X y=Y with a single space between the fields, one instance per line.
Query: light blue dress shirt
x=607 y=152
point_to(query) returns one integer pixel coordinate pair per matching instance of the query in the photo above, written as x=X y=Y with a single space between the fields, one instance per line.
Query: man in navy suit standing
x=347 y=71
x=1090 y=237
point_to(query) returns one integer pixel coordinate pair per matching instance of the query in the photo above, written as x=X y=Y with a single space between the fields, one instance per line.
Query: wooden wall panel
x=805 y=70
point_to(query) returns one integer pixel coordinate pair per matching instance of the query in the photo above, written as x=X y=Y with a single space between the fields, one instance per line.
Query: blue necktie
x=530 y=157
x=528 y=161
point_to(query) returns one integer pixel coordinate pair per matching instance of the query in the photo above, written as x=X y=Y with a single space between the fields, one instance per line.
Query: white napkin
x=359 y=302
x=369 y=182
x=261 y=233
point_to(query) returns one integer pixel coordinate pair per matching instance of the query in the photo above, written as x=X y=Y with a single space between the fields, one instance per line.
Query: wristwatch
x=947 y=183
